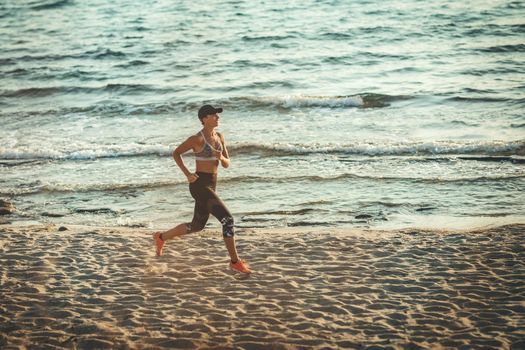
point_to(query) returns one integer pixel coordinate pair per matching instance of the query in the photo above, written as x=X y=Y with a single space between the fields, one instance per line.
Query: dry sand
x=103 y=288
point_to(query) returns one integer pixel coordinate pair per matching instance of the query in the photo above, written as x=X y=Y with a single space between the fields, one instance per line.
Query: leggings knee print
x=207 y=202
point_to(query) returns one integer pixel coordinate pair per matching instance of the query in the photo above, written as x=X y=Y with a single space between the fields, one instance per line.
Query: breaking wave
x=92 y=151
x=41 y=187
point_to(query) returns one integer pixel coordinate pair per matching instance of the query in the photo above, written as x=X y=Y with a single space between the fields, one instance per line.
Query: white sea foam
x=41 y=187
x=317 y=101
x=93 y=151
x=388 y=148
x=86 y=152
x=304 y=101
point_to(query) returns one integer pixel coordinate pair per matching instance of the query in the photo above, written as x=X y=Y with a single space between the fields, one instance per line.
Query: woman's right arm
x=177 y=155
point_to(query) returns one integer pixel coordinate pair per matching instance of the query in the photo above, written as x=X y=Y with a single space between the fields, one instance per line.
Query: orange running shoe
x=240 y=266
x=159 y=243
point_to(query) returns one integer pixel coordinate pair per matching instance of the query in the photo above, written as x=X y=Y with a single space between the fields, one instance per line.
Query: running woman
x=209 y=149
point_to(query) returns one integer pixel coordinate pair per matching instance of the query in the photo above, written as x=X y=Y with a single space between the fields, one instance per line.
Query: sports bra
x=207 y=151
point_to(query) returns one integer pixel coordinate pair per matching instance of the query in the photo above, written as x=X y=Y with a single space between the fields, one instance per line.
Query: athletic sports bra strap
x=209 y=144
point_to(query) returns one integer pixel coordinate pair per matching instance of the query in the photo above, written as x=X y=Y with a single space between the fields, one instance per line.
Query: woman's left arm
x=224 y=157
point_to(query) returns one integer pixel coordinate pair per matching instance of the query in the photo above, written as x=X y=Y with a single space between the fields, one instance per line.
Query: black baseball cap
x=208 y=109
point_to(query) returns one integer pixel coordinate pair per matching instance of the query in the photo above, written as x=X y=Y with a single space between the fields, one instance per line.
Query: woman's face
x=211 y=120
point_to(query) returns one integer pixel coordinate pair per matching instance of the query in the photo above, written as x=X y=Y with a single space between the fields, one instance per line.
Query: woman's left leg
x=218 y=209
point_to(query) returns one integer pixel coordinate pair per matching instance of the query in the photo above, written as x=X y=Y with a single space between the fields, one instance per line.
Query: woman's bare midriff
x=207 y=166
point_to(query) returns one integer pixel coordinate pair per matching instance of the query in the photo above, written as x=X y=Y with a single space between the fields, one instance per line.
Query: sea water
x=336 y=113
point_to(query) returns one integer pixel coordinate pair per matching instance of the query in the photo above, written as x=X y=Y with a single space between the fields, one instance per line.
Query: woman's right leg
x=178 y=230
x=200 y=218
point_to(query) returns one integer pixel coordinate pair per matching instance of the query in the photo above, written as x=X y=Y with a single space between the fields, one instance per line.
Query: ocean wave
x=132 y=63
x=249 y=38
x=88 y=152
x=243 y=63
x=93 y=151
x=50 y=5
x=364 y=100
x=513 y=160
x=39 y=187
x=251 y=103
x=102 y=53
x=16 y=72
x=338 y=35
x=518 y=28
x=492 y=70
x=387 y=149
x=492 y=29
x=485 y=99
x=357 y=177
x=48 y=57
x=515 y=5
x=504 y=48
x=107 y=109
x=7 y=61
x=124 y=89
x=260 y=85
x=31 y=92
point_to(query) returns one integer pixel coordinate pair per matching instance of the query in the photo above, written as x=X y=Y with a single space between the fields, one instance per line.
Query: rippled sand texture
x=104 y=288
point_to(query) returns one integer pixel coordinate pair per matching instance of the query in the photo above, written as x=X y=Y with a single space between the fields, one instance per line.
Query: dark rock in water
x=306 y=223
x=6 y=207
x=136 y=225
x=5 y=211
x=16 y=162
x=363 y=216
x=62 y=228
x=95 y=211
x=53 y=215
x=425 y=208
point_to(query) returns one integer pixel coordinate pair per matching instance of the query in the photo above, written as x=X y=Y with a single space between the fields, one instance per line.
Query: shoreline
x=103 y=287
x=412 y=222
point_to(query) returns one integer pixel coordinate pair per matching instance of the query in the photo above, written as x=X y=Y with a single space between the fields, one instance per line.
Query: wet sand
x=104 y=288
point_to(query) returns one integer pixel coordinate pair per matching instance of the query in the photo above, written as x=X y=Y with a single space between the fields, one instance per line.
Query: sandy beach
x=104 y=288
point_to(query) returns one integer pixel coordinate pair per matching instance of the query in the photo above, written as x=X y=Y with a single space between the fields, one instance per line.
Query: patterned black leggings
x=207 y=202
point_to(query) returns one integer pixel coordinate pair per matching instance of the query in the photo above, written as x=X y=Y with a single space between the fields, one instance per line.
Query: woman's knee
x=193 y=227
x=227 y=223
